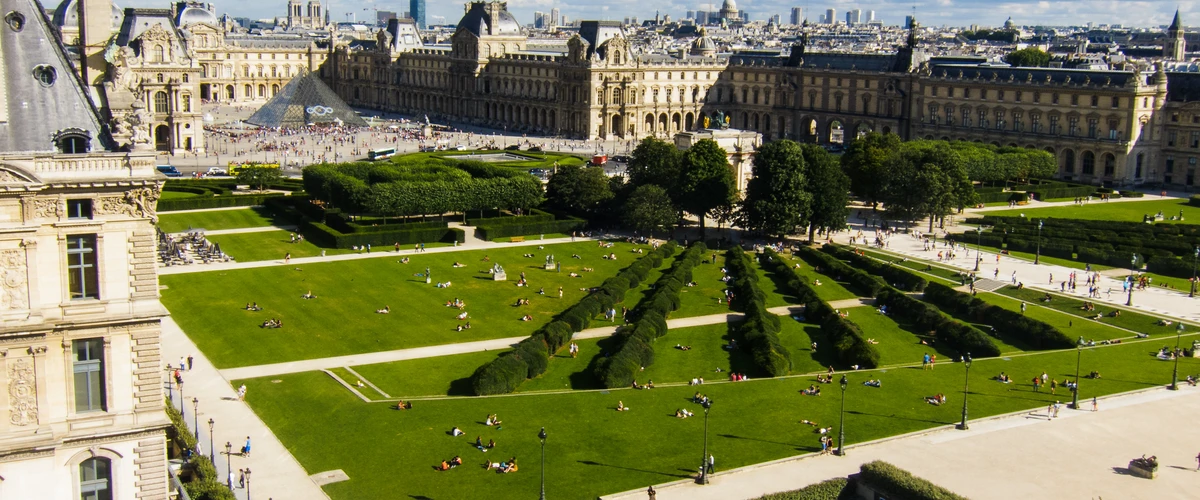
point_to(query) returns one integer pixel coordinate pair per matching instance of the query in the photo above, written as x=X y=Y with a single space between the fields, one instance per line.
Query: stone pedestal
x=549 y=267
x=500 y=276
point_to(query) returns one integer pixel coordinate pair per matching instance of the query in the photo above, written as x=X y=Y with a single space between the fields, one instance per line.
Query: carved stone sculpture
x=22 y=392
x=14 y=279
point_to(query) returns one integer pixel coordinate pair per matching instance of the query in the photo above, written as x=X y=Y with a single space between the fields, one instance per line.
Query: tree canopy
x=1030 y=57
x=706 y=181
x=657 y=162
x=865 y=164
x=259 y=176
x=649 y=209
x=777 y=201
x=581 y=190
x=829 y=189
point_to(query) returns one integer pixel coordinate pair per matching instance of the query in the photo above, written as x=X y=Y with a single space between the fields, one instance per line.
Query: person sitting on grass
x=308 y=295
x=1003 y=377
x=404 y=260
x=683 y=347
x=873 y=383
x=253 y=307
x=456 y=461
x=936 y=400
x=479 y=442
x=401 y=405
x=444 y=467
x=527 y=317
x=588 y=270
x=385 y=310
x=649 y=384
x=459 y=264
x=510 y=466
x=822 y=379
x=462 y=316
x=492 y=420
x=456 y=432
x=491 y=443
x=621 y=406
x=812 y=391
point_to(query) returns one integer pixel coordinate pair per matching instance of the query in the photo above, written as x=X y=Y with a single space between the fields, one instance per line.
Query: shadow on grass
x=586 y=379
x=461 y=387
x=824 y=355
x=740 y=359
x=789 y=445
x=660 y=473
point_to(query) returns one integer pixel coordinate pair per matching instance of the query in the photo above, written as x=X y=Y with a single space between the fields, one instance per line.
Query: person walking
x=1022 y=307
x=242 y=478
x=711 y=464
x=246 y=449
x=189 y=360
x=1093 y=403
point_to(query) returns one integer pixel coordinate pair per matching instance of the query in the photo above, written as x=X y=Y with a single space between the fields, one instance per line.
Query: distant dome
x=66 y=15
x=703 y=46
x=194 y=15
x=729 y=5
x=477 y=20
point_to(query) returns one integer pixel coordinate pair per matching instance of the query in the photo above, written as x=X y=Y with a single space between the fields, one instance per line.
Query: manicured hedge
x=829 y=489
x=796 y=285
x=948 y=331
x=326 y=236
x=759 y=330
x=896 y=483
x=866 y=283
x=1131 y=194
x=1194 y=200
x=897 y=276
x=525 y=228
x=534 y=215
x=1043 y=194
x=203 y=202
x=1034 y=333
x=531 y=357
x=635 y=343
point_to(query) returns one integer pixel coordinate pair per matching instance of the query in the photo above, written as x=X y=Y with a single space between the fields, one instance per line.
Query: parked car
x=216 y=171
x=170 y=171
x=460 y=147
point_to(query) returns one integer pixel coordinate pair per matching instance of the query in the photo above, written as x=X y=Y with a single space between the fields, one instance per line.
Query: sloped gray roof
x=304 y=100
x=40 y=109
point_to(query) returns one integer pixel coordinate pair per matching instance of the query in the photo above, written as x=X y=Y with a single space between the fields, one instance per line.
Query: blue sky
x=1146 y=13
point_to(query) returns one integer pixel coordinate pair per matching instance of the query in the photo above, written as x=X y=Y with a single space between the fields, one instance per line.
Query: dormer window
x=15 y=20
x=45 y=74
x=72 y=142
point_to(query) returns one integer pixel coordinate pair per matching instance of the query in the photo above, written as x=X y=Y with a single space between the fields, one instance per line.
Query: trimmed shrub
x=825 y=490
x=1131 y=194
x=1035 y=333
x=897 y=276
x=760 y=329
x=635 y=344
x=866 y=283
x=202 y=202
x=324 y=235
x=959 y=336
x=500 y=376
x=848 y=342
x=898 y=483
x=525 y=228
x=1194 y=200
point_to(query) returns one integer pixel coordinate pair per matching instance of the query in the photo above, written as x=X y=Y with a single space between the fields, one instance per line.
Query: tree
x=259 y=176
x=776 y=201
x=865 y=163
x=579 y=190
x=649 y=209
x=1030 y=57
x=928 y=179
x=655 y=161
x=829 y=189
x=706 y=181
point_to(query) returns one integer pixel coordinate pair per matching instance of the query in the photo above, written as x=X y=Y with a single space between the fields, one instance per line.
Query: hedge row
x=323 y=235
x=1194 y=200
x=1037 y=334
x=203 y=202
x=534 y=215
x=635 y=345
x=795 y=284
x=341 y=222
x=759 y=329
x=829 y=489
x=524 y=228
x=1043 y=194
x=531 y=357
x=894 y=482
x=899 y=277
x=997 y=197
x=959 y=336
x=866 y=283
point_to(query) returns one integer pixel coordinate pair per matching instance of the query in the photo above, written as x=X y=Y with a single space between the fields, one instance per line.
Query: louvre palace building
x=1115 y=128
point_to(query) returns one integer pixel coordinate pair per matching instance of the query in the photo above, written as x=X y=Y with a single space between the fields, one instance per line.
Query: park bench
x=517 y=239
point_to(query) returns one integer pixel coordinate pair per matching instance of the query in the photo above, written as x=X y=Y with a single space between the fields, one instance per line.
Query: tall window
x=89 y=375
x=1072 y=126
x=95 y=476
x=1093 y=128
x=160 y=103
x=159 y=54
x=1053 y=125
x=186 y=100
x=1035 y=122
x=82 y=274
x=1089 y=163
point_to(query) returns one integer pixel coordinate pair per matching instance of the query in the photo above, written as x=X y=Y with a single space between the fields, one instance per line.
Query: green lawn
x=342 y=319
x=1074 y=327
x=217 y=219
x=1129 y=211
x=898 y=345
x=829 y=290
x=271 y=245
x=439 y=376
x=593 y=450
x=1129 y=320
x=175 y=195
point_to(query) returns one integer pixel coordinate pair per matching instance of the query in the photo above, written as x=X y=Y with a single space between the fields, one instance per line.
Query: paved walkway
x=276 y=473
x=240 y=230
x=1046 y=204
x=371 y=358
x=1080 y=455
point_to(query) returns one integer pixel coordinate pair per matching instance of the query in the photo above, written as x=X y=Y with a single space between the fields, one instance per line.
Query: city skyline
x=1139 y=14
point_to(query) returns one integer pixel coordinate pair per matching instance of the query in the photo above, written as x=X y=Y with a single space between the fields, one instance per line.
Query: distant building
x=831 y=16
x=383 y=16
x=729 y=11
x=797 y=16
x=416 y=10
x=554 y=18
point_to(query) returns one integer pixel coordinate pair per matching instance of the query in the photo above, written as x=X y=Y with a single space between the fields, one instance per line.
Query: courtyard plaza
x=269 y=463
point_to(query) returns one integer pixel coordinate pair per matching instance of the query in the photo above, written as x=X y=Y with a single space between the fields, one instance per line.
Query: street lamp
x=841 y=451
x=1192 y=291
x=196 y=417
x=1132 y=264
x=1075 y=392
x=1175 y=371
x=966 y=381
x=247 y=483
x=703 y=478
x=182 y=403
x=229 y=462
x=542 y=436
x=211 y=457
x=1037 y=258
x=978 y=247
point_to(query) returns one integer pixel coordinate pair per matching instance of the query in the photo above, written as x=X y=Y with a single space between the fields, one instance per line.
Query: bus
x=235 y=166
x=380 y=154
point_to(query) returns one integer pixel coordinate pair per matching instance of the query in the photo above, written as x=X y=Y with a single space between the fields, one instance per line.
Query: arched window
x=1069 y=161
x=248 y=91
x=95 y=479
x=160 y=103
x=159 y=53
x=1089 y=163
x=72 y=142
x=1110 y=164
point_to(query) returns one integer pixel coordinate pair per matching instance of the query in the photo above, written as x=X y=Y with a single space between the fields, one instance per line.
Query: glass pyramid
x=304 y=101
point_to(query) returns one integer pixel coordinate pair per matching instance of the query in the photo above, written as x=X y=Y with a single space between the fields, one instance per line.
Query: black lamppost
x=966 y=382
x=542 y=436
x=1132 y=264
x=1038 y=256
x=210 y=442
x=1195 y=256
x=841 y=450
x=196 y=417
x=1175 y=371
x=229 y=462
x=1075 y=392
x=703 y=478
x=182 y=404
x=247 y=483
x=978 y=247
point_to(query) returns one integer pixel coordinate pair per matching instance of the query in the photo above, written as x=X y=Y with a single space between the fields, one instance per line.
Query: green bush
x=500 y=376
x=1131 y=194
x=829 y=489
x=1043 y=194
x=525 y=228
x=849 y=343
x=324 y=235
x=830 y=265
x=535 y=215
x=894 y=482
x=1037 y=334
x=1194 y=200
x=203 y=202
x=960 y=337
x=898 y=277
x=759 y=330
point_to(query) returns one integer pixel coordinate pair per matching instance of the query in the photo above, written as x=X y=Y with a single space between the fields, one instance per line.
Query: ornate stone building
x=79 y=310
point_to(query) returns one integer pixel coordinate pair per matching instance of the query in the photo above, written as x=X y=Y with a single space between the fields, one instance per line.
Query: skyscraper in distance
x=554 y=17
x=416 y=10
x=831 y=16
x=797 y=15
